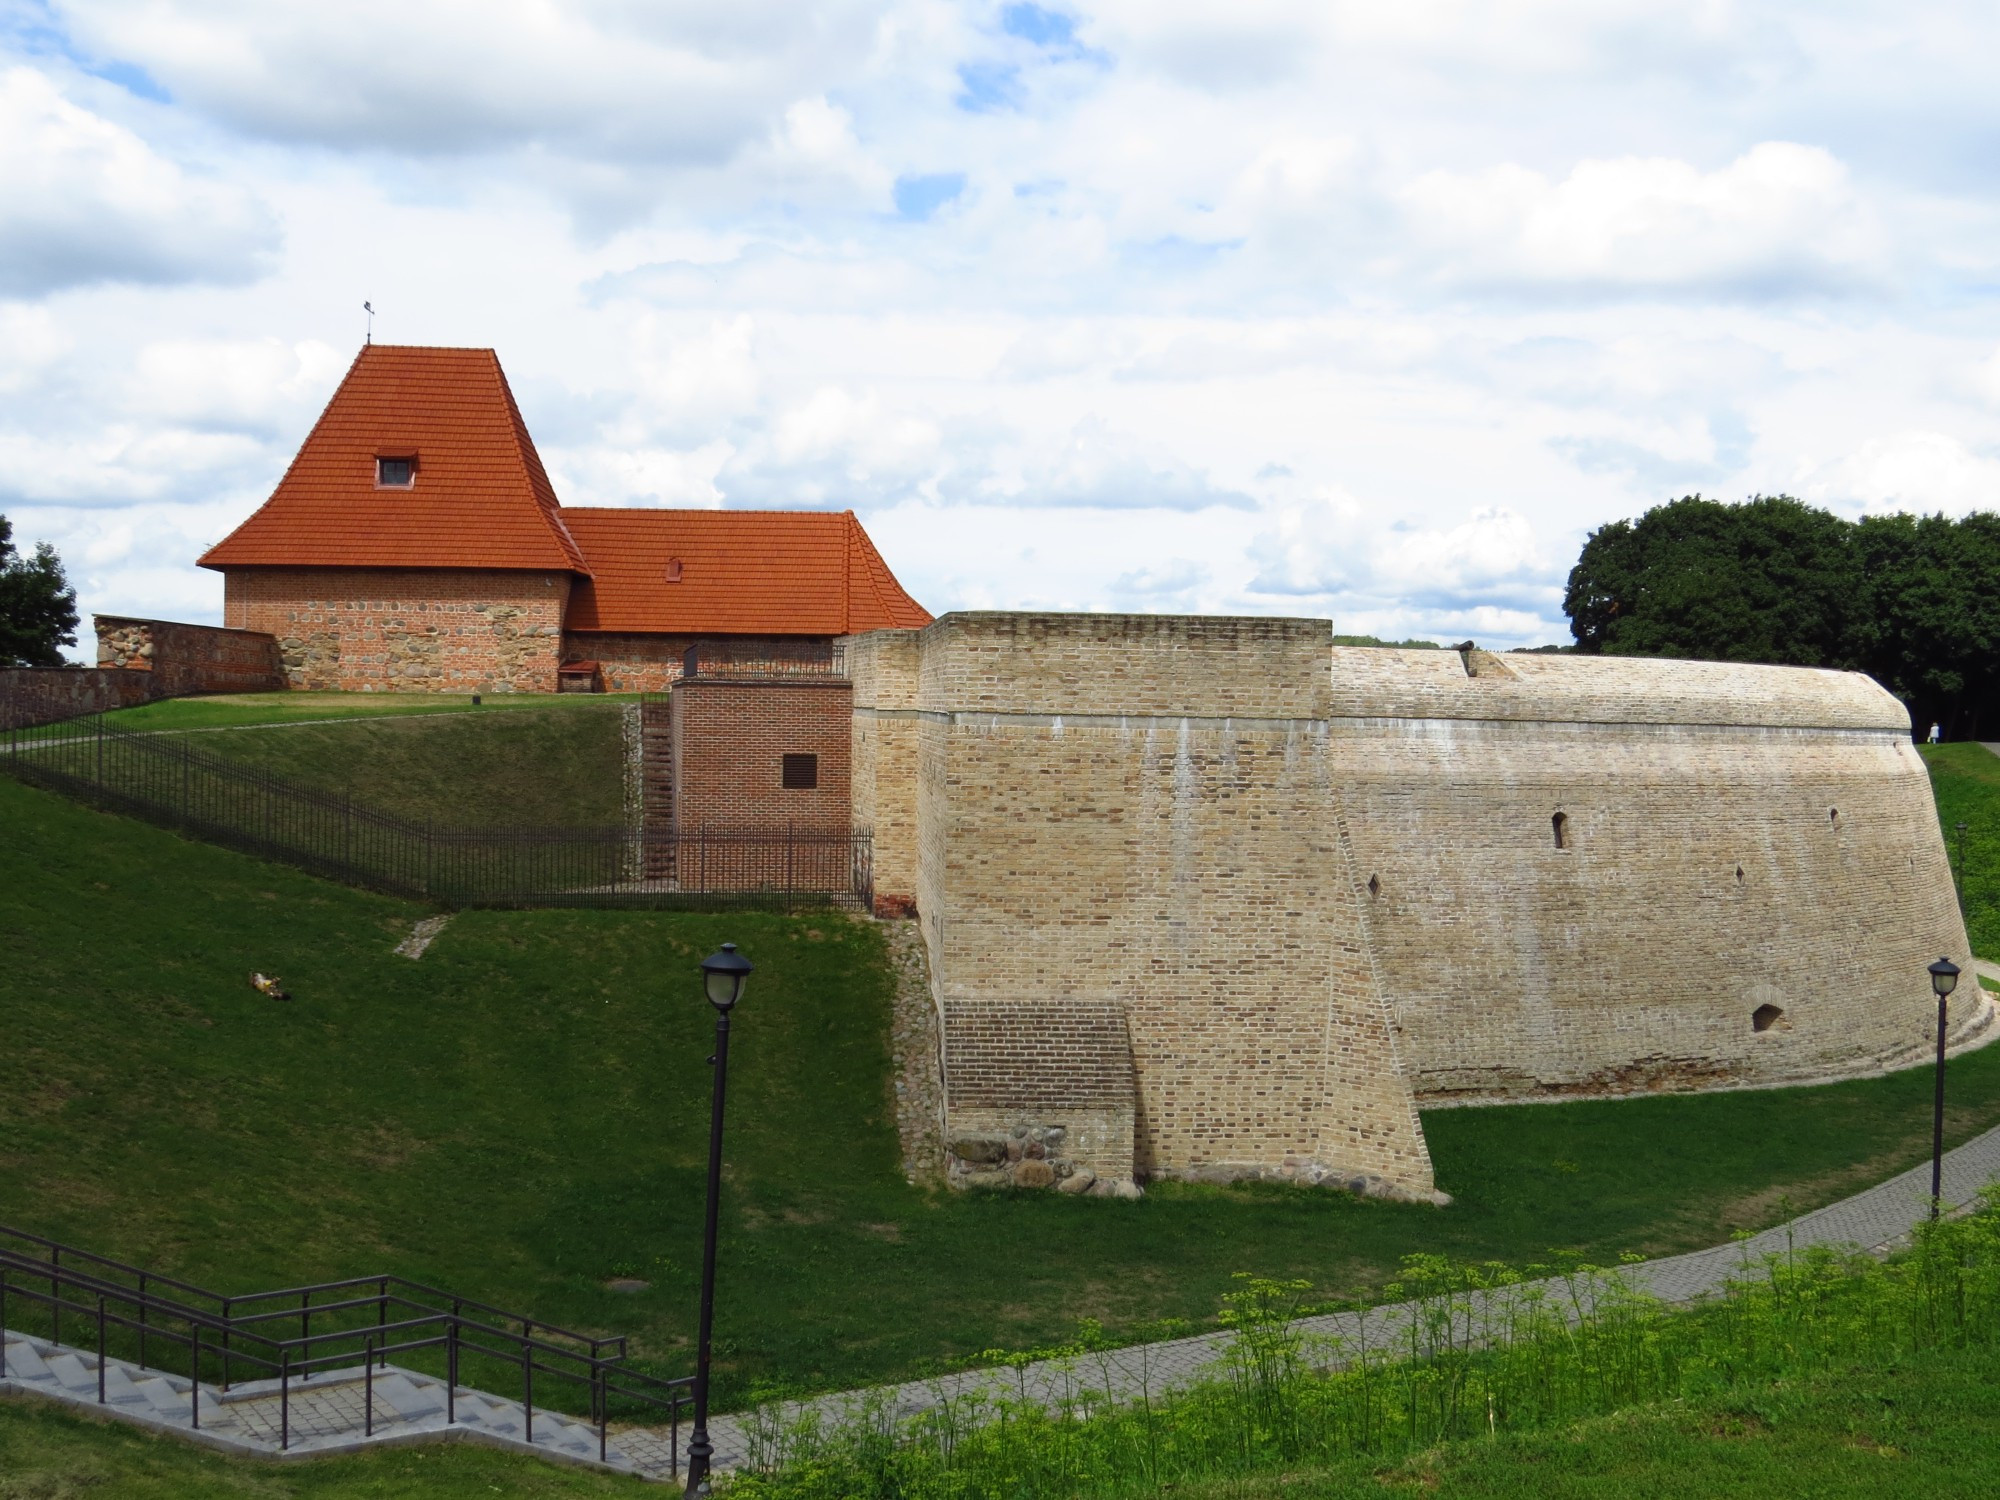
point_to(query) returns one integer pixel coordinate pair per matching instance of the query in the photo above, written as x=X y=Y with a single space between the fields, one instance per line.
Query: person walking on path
x=1934 y=733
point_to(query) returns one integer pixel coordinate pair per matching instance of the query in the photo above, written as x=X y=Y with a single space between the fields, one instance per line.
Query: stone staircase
x=335 y=1411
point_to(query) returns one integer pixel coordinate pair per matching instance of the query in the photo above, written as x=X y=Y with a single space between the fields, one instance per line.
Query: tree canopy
x=1912 y=600
x=37 y=606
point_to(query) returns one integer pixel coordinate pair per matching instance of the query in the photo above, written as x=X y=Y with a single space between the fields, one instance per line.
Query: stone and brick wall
x=1321 y=883
x=730 y=736
x=406 y=630
x=1043 y=1071
x=191 y=658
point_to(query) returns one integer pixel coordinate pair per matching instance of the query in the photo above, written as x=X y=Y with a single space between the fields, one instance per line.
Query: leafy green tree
x=1770 y=580
x=1931 y=629
x=37 y=605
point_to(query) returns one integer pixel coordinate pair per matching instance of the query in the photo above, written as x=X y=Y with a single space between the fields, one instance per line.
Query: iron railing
x=166 y=779
x=161 y=1323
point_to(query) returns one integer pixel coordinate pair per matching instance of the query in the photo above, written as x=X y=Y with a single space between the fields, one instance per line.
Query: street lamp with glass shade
x=1944 y=979
x=722 y=975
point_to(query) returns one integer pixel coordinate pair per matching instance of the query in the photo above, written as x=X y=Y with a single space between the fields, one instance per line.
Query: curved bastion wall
x=1749 y=882
x=1212 y=897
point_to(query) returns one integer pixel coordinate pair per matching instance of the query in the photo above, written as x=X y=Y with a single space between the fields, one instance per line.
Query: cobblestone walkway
x=327 y=1415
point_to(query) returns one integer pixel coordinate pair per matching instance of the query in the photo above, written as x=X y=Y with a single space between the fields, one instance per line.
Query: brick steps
x=656 y=774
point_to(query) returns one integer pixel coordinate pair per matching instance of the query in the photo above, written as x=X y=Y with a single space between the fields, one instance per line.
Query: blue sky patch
x=1045 y=28
x=917 y=198
x=988 y=87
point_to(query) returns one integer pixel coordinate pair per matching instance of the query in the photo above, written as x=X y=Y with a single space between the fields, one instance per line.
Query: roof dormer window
x=395 y=473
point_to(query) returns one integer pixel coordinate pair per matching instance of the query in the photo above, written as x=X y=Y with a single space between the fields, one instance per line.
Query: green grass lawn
x=554 y=764
x=224 y=711
x=1966 y=781
x=1925 y=1426
x=522 y=1115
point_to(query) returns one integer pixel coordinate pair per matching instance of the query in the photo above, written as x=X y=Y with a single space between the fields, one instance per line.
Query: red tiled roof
x=480 y=499
x=742 y=572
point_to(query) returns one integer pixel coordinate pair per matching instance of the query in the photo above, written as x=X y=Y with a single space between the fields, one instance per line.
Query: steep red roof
x=480 y=497
x=741 y=572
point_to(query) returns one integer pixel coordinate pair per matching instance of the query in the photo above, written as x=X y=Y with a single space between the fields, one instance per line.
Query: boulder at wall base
x=1078 y=1181
x=1034 y=1173
x=979 y=1148
x=1116 y=1187
x=974 y=1181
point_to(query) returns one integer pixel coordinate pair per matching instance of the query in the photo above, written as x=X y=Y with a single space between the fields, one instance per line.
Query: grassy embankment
x=235 y=710
x=1965 y=778
x=522 y=1115
x=546 y=759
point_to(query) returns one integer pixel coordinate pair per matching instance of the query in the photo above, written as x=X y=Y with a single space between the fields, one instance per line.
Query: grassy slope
x=1966 y=780
x=542 y=765
x=523 y=1114
x=1924 y=1426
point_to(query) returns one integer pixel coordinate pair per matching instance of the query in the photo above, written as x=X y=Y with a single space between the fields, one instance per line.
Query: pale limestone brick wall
x=1636 y=956
x=883 y=667
x=406 y=630
x=1323 y=882
x=1137 y=811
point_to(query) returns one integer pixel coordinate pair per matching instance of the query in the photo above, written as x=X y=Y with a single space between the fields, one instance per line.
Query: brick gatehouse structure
x=415 y=544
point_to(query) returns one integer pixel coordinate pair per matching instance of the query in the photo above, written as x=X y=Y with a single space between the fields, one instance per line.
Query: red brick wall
x=636 y=663
x=406 y=630
x=730 y=737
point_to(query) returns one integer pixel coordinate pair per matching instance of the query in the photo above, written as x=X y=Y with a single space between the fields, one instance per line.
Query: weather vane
x=369 y=308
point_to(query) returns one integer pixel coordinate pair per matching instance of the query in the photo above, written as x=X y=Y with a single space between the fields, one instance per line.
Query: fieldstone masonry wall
x=1321 y=883
x=190 y=658
x=406 y=630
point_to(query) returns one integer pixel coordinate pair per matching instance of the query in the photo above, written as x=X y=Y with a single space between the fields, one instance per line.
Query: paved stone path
x=1876 y=1220
x=327 y=1412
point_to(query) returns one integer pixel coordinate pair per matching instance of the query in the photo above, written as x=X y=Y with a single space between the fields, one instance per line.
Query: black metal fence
x=346 y=1328
x=166 y=779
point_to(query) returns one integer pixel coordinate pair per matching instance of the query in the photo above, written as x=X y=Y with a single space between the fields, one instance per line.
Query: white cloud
x=1489 y=570
x=1779 y=220
x=242 y=384
x=87 y=201
x=1157 y=285
x=1910 y=471
x=593 y=78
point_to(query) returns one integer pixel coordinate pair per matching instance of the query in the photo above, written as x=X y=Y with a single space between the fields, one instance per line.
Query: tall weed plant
x=1476 y=1350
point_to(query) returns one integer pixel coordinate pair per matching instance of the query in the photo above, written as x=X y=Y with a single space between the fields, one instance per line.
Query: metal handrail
x=223 y=1332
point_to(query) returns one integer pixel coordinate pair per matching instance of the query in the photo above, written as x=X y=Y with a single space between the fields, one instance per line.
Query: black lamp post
x=722 y=976
x=1944 y=979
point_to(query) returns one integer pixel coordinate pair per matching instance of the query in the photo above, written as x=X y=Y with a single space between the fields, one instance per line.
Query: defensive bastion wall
x=1319 y=884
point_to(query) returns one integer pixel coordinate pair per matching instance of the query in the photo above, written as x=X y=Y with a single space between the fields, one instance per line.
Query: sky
x=1332 y=308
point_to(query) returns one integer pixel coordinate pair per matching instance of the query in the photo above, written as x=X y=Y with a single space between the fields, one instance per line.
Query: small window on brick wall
x=1559 y=825
x=801 y=772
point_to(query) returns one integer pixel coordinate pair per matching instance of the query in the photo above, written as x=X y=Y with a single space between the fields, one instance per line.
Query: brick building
x=416 y=544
